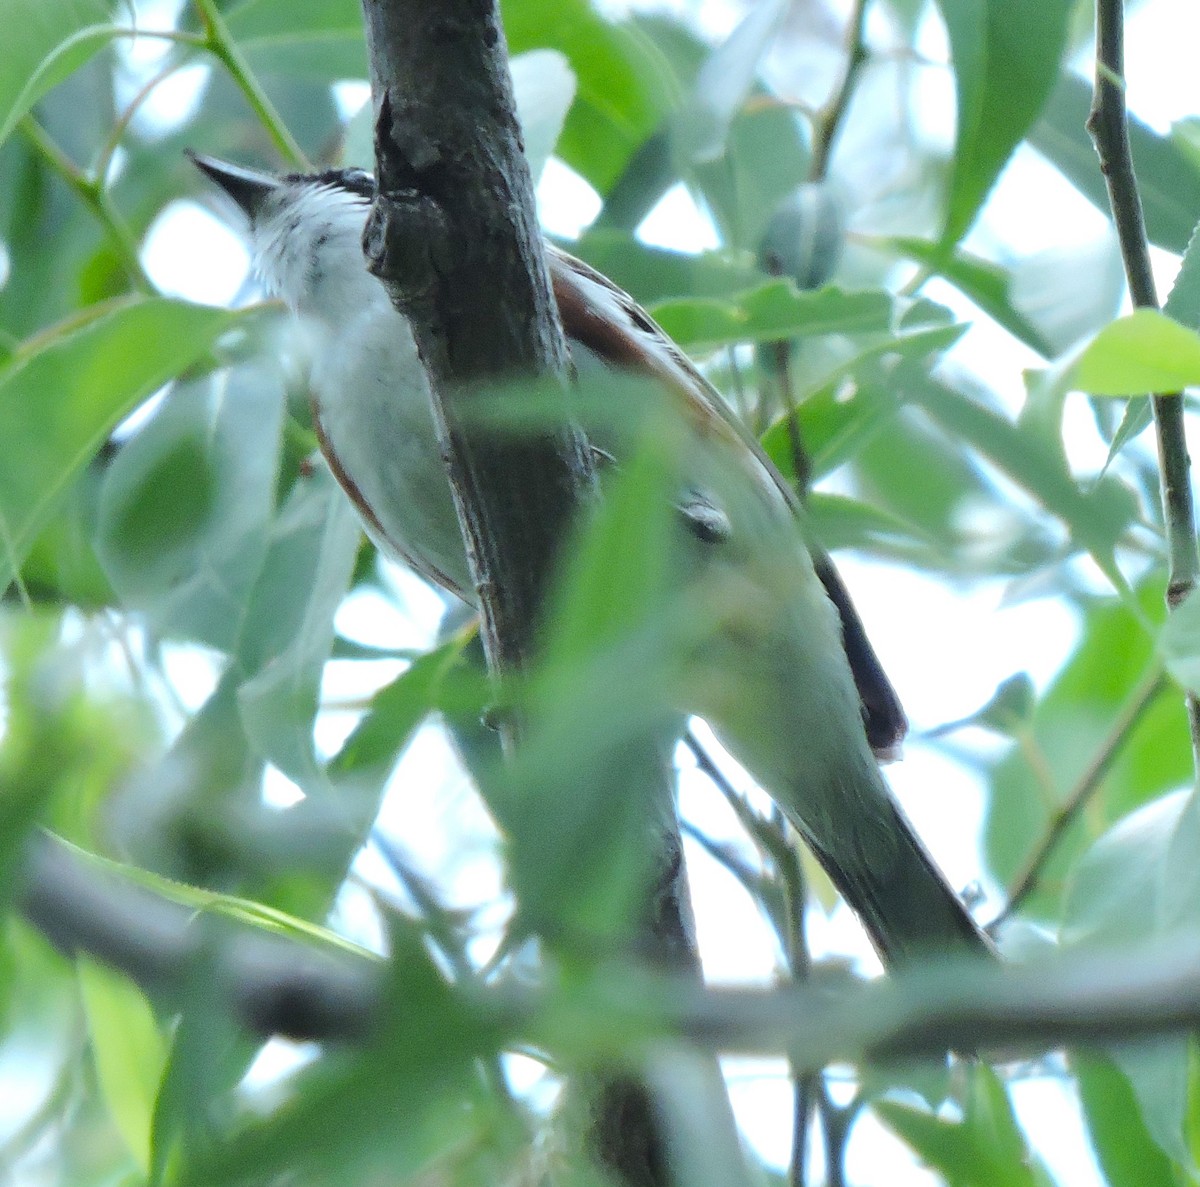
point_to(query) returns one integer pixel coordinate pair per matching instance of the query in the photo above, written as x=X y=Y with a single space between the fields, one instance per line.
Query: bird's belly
x=372 y=405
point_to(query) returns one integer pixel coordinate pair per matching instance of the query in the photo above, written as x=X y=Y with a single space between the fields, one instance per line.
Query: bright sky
x=946 y=649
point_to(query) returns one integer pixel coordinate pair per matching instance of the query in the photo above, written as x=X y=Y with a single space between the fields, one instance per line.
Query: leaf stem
x=1108 y=125
x=827 y=123
x=175 y=36
x=92 y=194
x=1089 y=782
x=224 y=48
x=119 y=128
x=788 y=920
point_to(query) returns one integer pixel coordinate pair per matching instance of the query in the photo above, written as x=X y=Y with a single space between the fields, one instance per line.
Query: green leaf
x=1183 y=301
x=1071 y=723
x=403 y=1101
x=1144 y=352
x=654 y=274
x=44 y=44
x=1128 y=1155
x=1182 y=304
x=655 y=166
x=188 y=501
x=55 y=739
x=1116 y=893
x=1179 y=643
x=841 y=522
x=243 y=912
x=1168 y=177
x=1158 y=1071
x=770 y=312
x=128 y=1049
x=210 y=1053
x=1048 y=300
x=1008 y=712
x=46 y=230
x=1006 y=58
x=987 y=284
x=320 y=39
x=395 y=712
x=601 y=710
x=174 y=814
x=1178 y=904
x=766 y=157
x=913 y=473
x=1137 y=416
x=848 y=406
x=985 y=1149
x=624 y=89
x=289 y=623
x=62 y=566
x=1034 y=459
x=724 y=82
x=63 y=391
x=1114 y=888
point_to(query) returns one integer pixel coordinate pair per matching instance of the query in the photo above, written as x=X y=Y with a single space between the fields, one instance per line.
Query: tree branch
x=276 y=985
x=1088 y=784
x=453 y=235
x=1109 y=128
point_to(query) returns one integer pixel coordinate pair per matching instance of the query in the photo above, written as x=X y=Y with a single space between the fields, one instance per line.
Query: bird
x=799 y=696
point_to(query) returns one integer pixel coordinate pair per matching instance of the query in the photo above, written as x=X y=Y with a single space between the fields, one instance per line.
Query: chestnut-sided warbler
x=812 y=701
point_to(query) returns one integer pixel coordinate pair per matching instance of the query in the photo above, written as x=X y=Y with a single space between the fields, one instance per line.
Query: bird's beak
x=247 y=187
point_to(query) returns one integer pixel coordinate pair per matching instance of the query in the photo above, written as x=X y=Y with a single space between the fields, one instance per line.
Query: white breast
x=371 y=394
x=373 y=401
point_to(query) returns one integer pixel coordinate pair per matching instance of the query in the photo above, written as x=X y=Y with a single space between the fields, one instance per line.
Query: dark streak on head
x=353 y=181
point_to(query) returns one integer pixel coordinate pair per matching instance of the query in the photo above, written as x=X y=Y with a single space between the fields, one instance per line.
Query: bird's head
x=305 y=231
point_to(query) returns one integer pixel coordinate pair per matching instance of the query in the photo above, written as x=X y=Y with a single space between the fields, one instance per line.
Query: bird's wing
x=614 y=327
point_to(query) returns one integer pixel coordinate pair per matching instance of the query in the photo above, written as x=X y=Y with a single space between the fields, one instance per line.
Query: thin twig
x=746 y=876
x=780 y=354
x=63 y=1092
x=121 y=126
x=836 y=1122
x=92 y=194
x=441 y=927
x=788 y=922
x=807 y=1086
x=278 y=984
x=225 y=49
x=1109 y=128
x=1036 y=759
x=174 y=36
x=828 y=121
x=1089 y=782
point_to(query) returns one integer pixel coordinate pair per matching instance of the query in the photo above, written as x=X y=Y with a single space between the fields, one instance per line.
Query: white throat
x=306 y=247
x=371 y=396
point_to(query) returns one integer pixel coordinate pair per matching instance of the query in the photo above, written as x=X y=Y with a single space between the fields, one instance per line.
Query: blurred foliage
x=176 y=585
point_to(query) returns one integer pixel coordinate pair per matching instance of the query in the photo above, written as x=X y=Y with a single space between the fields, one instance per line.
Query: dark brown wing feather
x=633 y=341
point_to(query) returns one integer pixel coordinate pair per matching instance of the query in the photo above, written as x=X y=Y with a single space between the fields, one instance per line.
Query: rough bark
x=454 y=237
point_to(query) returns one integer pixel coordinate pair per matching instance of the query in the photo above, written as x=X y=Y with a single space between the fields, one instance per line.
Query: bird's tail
x=909 y=909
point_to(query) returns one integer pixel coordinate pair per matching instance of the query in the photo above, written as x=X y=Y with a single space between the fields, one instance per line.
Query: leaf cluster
x=180 y=577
